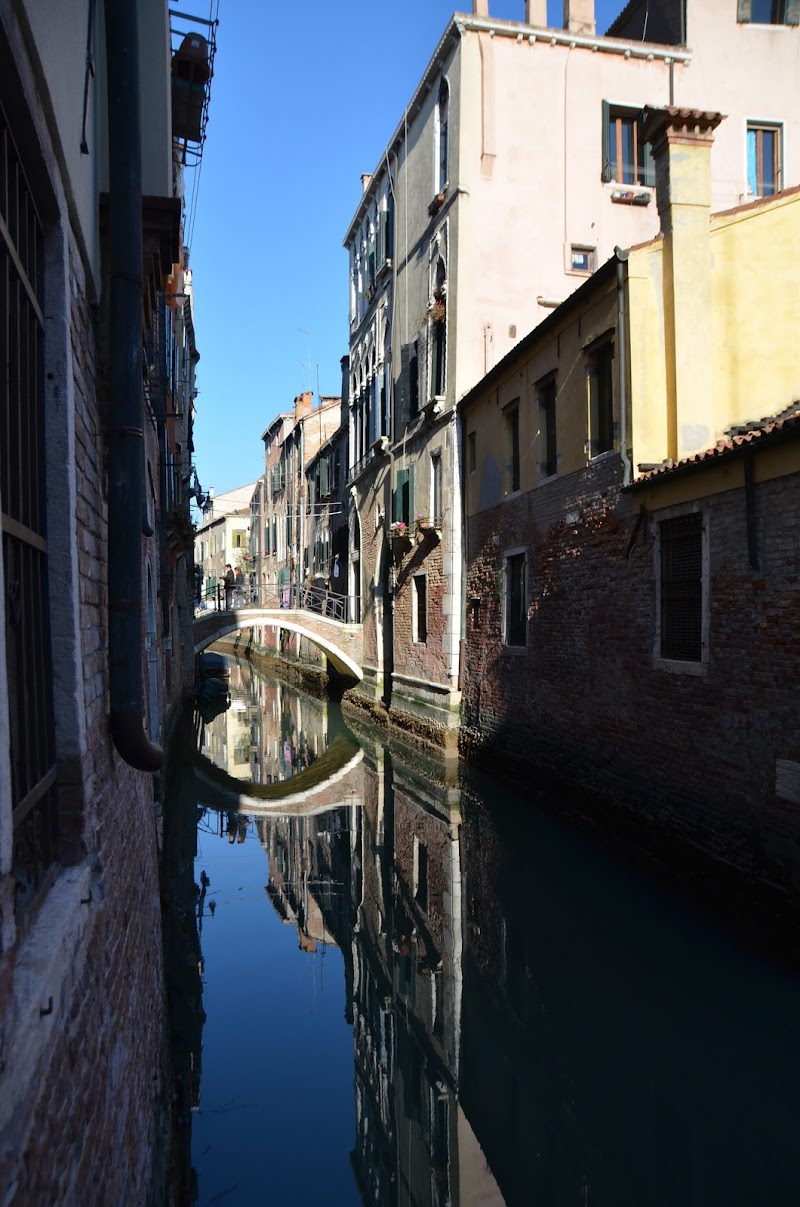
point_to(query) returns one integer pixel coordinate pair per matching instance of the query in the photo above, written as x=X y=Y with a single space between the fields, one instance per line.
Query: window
x=420 y=618
x=768 y=12
x=681 y=588
x=370 y=256
x=386 y=231
x=436 y=488
x=763 y=159
x=547 y=411
x=512 y=445
x=472 y=459
x=601 y=400
x=438 y=334
x=442 y=146
x=582 y=259
x=626 y=157
x=403 y=497
x=239 y=538
x=516 y=618
x=33 y=810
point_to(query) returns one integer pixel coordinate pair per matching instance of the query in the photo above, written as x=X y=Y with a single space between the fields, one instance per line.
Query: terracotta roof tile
x=787 y=423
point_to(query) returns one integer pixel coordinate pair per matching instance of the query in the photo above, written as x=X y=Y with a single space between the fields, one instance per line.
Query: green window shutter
x=743 y=10
x=791 y=13
x=402 y=496
x=398 y=495
x=606 y=172
x=323 y=476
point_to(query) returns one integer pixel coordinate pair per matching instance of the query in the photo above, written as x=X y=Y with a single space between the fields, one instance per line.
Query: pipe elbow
x=133 y=744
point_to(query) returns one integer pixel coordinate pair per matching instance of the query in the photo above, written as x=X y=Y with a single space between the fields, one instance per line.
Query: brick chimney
x=480 y=8
x=579 y=17
x=536 y=13
x=681 y=140
x=302 y=404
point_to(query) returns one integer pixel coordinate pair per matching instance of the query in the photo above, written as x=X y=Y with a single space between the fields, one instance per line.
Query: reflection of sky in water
x=275 y=1123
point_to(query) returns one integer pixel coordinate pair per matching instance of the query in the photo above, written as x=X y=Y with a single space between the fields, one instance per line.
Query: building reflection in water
x=532 y=1021
x=270 y=732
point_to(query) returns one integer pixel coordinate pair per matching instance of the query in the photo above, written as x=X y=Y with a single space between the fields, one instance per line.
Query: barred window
x=25 y=551
x=682 y=587
x=516 y=618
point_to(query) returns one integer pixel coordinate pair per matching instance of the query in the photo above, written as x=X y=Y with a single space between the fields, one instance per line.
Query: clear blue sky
x=304 y=99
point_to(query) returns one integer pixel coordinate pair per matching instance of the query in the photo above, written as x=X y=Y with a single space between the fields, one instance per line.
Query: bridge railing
x=345 y=608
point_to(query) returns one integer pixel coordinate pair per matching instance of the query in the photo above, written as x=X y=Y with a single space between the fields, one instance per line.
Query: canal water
x=391 y=983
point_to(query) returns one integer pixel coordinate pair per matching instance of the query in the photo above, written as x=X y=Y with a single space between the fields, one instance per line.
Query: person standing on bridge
x=230 y=583
x=239 y=578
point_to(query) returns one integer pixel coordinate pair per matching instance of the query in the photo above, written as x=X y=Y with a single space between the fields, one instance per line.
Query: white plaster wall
x=746 y=72
x=545 y=192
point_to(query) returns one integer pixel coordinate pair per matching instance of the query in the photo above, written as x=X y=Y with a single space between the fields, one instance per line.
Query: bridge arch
x=330 y=782
x=328 y=635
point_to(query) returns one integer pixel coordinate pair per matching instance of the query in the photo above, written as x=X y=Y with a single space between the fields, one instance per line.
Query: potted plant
x=398 y=531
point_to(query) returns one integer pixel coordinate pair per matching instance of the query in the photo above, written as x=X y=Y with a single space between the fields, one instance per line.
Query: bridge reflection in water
x=529 y=1021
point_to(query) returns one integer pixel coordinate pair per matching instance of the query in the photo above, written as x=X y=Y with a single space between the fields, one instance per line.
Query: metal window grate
x=22 y=489
x=682 y=587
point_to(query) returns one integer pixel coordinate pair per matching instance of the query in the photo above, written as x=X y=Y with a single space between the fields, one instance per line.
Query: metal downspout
x=622 y=343
x=125 y=434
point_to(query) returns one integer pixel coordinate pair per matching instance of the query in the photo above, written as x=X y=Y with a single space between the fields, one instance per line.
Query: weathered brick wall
x=85 y=1125
x=694 y=754
x=426 y=660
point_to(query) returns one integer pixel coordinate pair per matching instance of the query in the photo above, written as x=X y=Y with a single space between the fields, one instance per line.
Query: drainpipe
x=622 y=343
x=125 y=434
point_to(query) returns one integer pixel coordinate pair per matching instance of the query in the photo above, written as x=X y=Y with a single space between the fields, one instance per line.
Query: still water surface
x=393 y=984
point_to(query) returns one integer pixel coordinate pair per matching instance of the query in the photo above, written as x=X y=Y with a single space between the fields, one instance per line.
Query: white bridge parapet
x=340 y=642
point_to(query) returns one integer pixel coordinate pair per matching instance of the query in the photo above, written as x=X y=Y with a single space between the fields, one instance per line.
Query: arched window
x=442 y=121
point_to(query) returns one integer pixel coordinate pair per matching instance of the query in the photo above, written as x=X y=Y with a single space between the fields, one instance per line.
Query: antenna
x=308 y=336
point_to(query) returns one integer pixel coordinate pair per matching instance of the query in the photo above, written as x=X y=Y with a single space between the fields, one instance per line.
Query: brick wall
x=693 y=754
x=425 y=660
x=83 y=1022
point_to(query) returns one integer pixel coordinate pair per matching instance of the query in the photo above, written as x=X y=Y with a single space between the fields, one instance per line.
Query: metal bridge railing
x=344 y=608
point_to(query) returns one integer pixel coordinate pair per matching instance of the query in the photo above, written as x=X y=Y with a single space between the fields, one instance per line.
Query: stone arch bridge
x=340 y=641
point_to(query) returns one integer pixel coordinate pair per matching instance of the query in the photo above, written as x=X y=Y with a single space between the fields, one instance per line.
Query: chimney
x=579 y=17
x=366 y=177
x=681 y=140
x=303 y=403
x=536 y=13
x=480 y=8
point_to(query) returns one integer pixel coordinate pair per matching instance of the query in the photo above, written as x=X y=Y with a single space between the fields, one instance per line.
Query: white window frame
x=765 y=123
